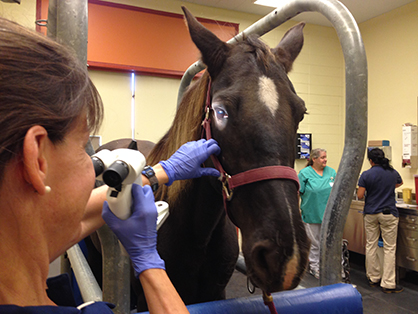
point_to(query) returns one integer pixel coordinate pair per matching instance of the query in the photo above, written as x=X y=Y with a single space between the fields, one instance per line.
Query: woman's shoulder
x=306 y=171
x=329 y=170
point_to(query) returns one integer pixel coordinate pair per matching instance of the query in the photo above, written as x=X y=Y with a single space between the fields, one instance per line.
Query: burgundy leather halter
x=230 y=182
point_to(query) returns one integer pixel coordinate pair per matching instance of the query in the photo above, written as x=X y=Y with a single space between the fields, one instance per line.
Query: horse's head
x=255 y=115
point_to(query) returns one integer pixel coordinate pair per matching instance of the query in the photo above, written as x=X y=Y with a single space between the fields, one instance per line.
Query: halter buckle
x=206 y=116
x=225 y=186
x=267 y=298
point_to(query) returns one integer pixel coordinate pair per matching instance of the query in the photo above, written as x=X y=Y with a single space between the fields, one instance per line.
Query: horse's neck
x=204 y=206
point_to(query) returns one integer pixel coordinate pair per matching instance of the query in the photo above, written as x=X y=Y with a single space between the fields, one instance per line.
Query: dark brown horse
x=255 y=116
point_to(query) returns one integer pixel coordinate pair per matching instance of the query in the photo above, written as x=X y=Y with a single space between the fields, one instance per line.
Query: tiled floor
x=374 y=300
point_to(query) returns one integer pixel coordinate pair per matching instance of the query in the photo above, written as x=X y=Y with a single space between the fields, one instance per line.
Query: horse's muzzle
x=272 y=268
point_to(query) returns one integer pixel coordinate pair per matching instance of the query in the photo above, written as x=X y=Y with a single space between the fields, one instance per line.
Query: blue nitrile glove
x=185 y=162
x=138 y=233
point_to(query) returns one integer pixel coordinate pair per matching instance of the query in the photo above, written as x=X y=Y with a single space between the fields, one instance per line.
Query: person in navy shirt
x=381 y=218
x=48 y=108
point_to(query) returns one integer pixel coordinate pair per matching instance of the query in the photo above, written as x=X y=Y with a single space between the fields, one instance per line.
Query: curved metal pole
x=89 y=288
x=356 y=118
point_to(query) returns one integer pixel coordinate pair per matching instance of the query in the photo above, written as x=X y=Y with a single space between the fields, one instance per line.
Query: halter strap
x=263 y=173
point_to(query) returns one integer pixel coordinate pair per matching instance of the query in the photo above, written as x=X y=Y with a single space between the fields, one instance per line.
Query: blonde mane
x=186 y=127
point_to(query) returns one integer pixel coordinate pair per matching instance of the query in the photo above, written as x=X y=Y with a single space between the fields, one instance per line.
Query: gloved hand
x=138 y=233
x=185 y=162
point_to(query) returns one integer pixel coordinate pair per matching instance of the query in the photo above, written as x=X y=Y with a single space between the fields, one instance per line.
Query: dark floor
x=374 y=300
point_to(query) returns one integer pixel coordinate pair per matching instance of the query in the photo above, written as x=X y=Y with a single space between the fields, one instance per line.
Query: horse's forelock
x=186 y=127
x=262 y=54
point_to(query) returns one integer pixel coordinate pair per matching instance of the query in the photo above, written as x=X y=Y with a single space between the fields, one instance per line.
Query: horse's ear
x=290 y=46
x=214 y=51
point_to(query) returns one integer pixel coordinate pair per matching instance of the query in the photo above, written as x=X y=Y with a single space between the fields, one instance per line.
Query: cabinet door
x=407 y=237
x=354 y=228
x=407 y=257
x=409 y=219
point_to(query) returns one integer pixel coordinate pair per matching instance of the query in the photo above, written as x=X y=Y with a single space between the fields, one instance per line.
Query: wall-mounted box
x=377 y=143
x=409 y=146
x=303 y=145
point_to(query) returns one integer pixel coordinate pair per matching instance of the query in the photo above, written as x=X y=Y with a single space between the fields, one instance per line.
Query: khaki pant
x=387 y=226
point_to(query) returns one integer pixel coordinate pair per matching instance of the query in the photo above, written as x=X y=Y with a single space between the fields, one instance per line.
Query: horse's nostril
x=260 y=253
x=272 y=269
x=265 y=262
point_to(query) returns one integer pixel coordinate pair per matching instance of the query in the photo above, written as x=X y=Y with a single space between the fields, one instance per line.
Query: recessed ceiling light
x=269 y=3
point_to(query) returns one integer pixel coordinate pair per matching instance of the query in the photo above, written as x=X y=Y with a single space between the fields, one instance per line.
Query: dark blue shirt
x=59 y=291
x=380 y=190
x=95 y=308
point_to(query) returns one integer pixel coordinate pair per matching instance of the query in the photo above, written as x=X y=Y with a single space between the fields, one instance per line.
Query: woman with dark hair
x=316 y=181
x=48 y=108
x=381 y=218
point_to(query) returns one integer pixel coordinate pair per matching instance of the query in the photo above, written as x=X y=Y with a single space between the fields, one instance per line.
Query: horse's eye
x=221 y=114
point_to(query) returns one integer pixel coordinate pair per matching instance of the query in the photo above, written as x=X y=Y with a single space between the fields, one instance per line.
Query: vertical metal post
x=68 y=25
x=116 y=271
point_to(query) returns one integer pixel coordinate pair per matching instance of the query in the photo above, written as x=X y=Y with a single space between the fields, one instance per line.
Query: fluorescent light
x=269 y=3
x=133 y=105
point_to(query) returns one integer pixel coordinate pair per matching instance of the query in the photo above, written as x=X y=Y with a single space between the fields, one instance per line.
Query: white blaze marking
x=267 y=93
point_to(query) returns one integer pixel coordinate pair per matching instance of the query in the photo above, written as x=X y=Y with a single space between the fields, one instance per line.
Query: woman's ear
x=34 y=153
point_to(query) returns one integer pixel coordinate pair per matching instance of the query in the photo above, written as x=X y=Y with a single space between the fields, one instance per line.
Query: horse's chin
x=268 y=271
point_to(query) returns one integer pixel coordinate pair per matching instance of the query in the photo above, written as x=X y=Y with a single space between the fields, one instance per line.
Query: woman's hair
x=41 y=83
x=315 y=153
x=378 y=157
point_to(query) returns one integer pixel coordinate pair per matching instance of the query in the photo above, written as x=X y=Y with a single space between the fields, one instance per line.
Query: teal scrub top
x=314 y=192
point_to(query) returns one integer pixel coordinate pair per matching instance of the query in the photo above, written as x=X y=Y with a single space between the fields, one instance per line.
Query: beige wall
x=318 y=76
x=391 y=43
x=24 y=14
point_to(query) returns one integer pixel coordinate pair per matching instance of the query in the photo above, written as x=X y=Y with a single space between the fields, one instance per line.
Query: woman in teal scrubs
x=316 y=181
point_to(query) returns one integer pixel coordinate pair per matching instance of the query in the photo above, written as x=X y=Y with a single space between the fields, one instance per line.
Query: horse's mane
x=186 y=127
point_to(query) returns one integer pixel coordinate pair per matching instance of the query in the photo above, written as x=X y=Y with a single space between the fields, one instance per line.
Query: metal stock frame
x=116 y=264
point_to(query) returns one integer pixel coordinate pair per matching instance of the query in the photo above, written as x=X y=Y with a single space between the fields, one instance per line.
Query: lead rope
x=268 y=301
x=267 y=298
